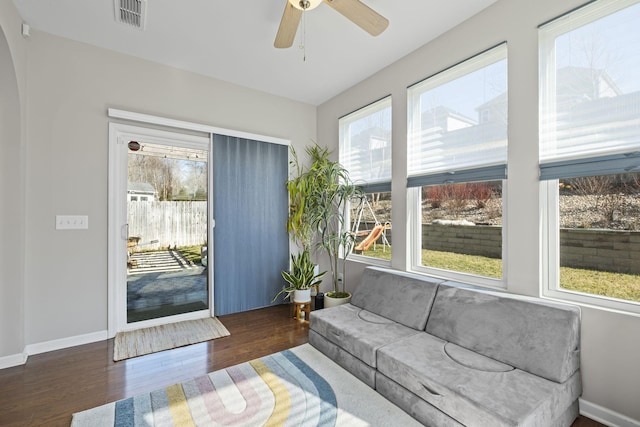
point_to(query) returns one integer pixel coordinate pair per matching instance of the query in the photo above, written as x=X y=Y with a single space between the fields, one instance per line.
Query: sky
x=611 y=43
x=465 y=94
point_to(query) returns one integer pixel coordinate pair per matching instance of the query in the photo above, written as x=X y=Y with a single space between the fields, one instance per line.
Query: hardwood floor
x=52 y=386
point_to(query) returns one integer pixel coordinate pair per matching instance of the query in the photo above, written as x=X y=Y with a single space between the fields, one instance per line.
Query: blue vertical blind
x=458 y=122
x=251 y=245
x=365 y=145
x=590 y=91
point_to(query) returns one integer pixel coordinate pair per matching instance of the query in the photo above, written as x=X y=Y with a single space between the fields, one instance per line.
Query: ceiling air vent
x=131 y=12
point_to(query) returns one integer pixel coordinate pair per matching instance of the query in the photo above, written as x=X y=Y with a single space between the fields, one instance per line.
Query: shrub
x=457 y=197
x=436 y=195
x=481 y=193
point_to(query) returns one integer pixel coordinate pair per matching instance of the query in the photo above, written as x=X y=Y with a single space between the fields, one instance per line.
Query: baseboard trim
x=62 y=343
x=13 y=360
x=606 y=416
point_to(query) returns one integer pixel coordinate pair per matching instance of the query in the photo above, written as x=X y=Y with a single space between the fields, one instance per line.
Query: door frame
x=126 y=118
x=119 y=137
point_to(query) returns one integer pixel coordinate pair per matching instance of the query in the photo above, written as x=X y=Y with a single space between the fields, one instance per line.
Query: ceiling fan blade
x=361 y=15
x=288 y=26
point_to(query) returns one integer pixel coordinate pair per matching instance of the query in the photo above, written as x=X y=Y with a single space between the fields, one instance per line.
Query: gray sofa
x=456 y=355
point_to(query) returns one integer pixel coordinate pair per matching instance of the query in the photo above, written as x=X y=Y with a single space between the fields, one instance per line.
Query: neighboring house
x=586 y=99
x=577 y=85
x=494 y=110
x=444 y=128
x=370 y=151
x=141 y=192
x=445 y=119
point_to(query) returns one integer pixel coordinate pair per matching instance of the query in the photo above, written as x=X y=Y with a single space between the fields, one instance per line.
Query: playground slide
x=371 y=238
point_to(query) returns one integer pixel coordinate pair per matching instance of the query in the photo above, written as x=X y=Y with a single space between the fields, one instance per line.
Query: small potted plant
x=301 y=278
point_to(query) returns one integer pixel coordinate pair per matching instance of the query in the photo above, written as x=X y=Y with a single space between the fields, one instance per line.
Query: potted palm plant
x=319 y=197
x=304 y=274
x=300 y=189
x=328 y=204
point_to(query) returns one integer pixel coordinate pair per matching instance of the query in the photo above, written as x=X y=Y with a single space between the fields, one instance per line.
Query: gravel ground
x=617 y=212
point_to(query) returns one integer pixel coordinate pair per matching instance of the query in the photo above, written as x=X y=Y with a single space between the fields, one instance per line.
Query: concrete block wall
x=604 y=250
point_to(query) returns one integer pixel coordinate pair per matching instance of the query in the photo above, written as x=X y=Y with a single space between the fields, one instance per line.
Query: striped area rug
x=297 y=387
x=158 y=338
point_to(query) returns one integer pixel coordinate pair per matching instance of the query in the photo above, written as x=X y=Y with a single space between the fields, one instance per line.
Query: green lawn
x=191 y=253
x=604 y=283
x=614 y=285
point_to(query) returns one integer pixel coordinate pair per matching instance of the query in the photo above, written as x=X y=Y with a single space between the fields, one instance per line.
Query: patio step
x=158 y=261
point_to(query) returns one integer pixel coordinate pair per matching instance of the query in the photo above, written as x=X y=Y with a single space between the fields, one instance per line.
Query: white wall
x=12 y=182
x=610 y=344
x=70 y=87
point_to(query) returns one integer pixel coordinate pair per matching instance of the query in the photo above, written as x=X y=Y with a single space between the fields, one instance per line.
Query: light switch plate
x=72 y=222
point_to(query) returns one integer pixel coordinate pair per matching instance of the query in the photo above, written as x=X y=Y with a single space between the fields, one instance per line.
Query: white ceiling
x=232 y=40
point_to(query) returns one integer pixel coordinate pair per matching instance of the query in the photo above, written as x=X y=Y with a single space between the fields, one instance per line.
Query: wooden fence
x=161 y=224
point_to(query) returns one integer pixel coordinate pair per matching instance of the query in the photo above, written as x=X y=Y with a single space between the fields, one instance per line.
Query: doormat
x=297 y=387
x=158 y=338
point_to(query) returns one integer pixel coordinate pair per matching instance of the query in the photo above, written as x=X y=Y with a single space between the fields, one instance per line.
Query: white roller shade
x=365 y=145
x=458 y=117
x=589 y=85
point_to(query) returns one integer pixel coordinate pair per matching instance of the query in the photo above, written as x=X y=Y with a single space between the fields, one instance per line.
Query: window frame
x=369 y=259
x=378 y=186
x=480 y=172
x=343 y=134
x=602 y=163
x=550 y=258
x=462 y=69
x=414 y=201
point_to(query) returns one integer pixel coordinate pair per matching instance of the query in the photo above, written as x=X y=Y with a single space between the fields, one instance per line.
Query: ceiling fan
x=354 y=10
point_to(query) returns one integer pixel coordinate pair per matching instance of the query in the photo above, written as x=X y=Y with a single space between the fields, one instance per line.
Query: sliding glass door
x=159 y=227
x=167 y=191
x=167 y=251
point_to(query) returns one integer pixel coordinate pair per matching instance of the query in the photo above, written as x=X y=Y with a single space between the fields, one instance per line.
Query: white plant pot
x=302 y=295
x=334 y=302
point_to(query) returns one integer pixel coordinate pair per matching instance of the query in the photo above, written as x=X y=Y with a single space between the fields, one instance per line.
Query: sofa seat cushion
x=473 y=360
x=474 y=389
x=357 y=331
x=355 y=366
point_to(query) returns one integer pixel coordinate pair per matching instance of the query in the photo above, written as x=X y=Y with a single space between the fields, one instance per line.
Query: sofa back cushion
x=536 y=336
x=402 y=297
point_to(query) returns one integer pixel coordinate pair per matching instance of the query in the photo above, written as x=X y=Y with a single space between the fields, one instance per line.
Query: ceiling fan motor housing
x=305 y=4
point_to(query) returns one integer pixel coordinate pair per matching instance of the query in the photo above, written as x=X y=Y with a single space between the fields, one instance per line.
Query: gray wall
x=53 y=284
x=12 y=181
x=70 y=87
x=610 y=344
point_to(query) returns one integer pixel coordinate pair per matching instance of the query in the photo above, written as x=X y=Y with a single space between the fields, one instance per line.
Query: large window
x=365 y=151
x=457 y=149
x=590 y=153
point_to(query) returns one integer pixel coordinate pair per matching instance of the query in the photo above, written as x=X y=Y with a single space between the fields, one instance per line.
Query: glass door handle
x=124 y=232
